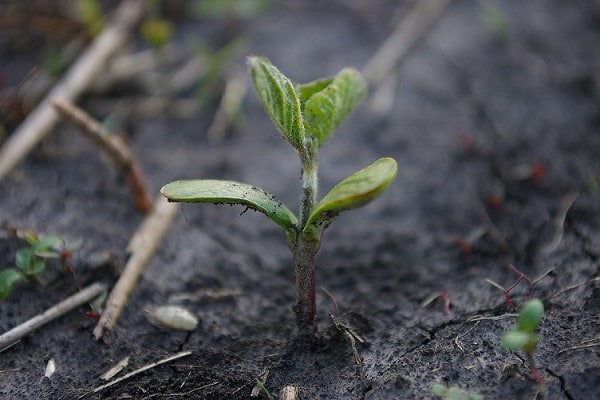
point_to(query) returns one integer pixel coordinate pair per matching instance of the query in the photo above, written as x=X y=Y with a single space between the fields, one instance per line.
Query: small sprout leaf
x=23 y=259
x=326 y=109
x=47 y=242
x=515 y=340
x=307 y=90
x=438 y=389
x=37 y=268
x=530 y=316
x=279 y=97
x=230 y=192
x=355 y=191
x=8 y=278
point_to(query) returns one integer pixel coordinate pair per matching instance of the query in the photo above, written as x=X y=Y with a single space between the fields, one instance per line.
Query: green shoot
x=523 y=337
x=306 y=116
x=30 y=261
x=453 y=393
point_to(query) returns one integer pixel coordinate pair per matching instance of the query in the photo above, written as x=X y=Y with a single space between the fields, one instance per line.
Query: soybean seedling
x=306 y=116
x=523 y=337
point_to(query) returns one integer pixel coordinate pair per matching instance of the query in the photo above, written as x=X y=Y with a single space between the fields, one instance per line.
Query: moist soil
x=497 y=136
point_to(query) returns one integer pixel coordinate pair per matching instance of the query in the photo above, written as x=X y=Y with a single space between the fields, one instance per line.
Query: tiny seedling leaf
x=530 y=316
x=279 y=97
x=23 y=259
x=47 y=245
x=324 y=110
x=307 y=90
x=355 y=191
x=230 y=192
x=515 y=340
x=8 y=278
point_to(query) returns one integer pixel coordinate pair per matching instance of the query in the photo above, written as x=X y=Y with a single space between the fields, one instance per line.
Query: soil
x=491 y=129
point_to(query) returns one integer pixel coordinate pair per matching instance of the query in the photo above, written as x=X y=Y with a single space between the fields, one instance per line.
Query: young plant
x=523 y=337
x=30 y=261
x=453 y=392
x=306 y=116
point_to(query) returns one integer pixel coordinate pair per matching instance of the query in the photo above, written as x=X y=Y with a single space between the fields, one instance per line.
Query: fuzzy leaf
x=530 y=316
x=230 y=192
x=279 y=97
x=325 y=110
x=355 y=191
x=307 y=90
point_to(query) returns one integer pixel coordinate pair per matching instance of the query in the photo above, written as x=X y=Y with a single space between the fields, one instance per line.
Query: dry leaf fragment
x=116 y=369
x=50 y=368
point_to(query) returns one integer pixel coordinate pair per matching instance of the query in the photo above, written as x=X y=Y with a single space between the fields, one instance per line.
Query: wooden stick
x=87 y=68
x=142 y=246
x=112 y=145
x=17 y=333
x=143 y=369
x=406 y=34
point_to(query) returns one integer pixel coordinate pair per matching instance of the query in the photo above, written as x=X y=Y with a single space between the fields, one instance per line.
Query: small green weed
x=30 y=261
x=453 y=393
x=523 y=336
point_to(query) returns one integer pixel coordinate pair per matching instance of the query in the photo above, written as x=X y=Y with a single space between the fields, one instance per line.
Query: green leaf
x=47 y=245
x=325 y=110
x=37 y=268
x=530 y=316
x=515 y=340
x=230 y=192
x=8 y=278
x=23 y=258
x=355 y=191
x=307 y=90
x=279 y=97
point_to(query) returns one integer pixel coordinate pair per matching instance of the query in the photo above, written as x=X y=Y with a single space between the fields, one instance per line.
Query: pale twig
x=17 y=333
x=231 y=102
x=113 y=146
x=87 y=68
x=142 y=246
x=559 y=223
x=595 y=342
x=142 y=369
x=406 y=34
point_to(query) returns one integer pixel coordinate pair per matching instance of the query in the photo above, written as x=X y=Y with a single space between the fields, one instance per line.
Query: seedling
x=523 y=337
x=306 y=116
x=453 y=393
x=30 y=261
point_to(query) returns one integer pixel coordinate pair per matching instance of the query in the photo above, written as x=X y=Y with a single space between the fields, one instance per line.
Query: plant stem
x=305 y=250
x=304 y=263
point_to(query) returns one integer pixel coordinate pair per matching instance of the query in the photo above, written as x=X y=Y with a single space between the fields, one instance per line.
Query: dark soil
x=473 y=108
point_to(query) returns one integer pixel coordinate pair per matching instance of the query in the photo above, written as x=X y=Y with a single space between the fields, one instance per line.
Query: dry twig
x=115 y=148
x=41 y=121
x=17 y=333
x=142 y=246
x=142 y=369
x=406 y=34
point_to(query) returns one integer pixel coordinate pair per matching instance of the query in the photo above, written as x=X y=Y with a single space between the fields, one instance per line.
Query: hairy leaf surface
x=230 y=192
x=325 y=109
x=279 y=97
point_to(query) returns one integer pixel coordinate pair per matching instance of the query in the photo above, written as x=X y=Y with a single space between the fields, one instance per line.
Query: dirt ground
x=493 y=129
